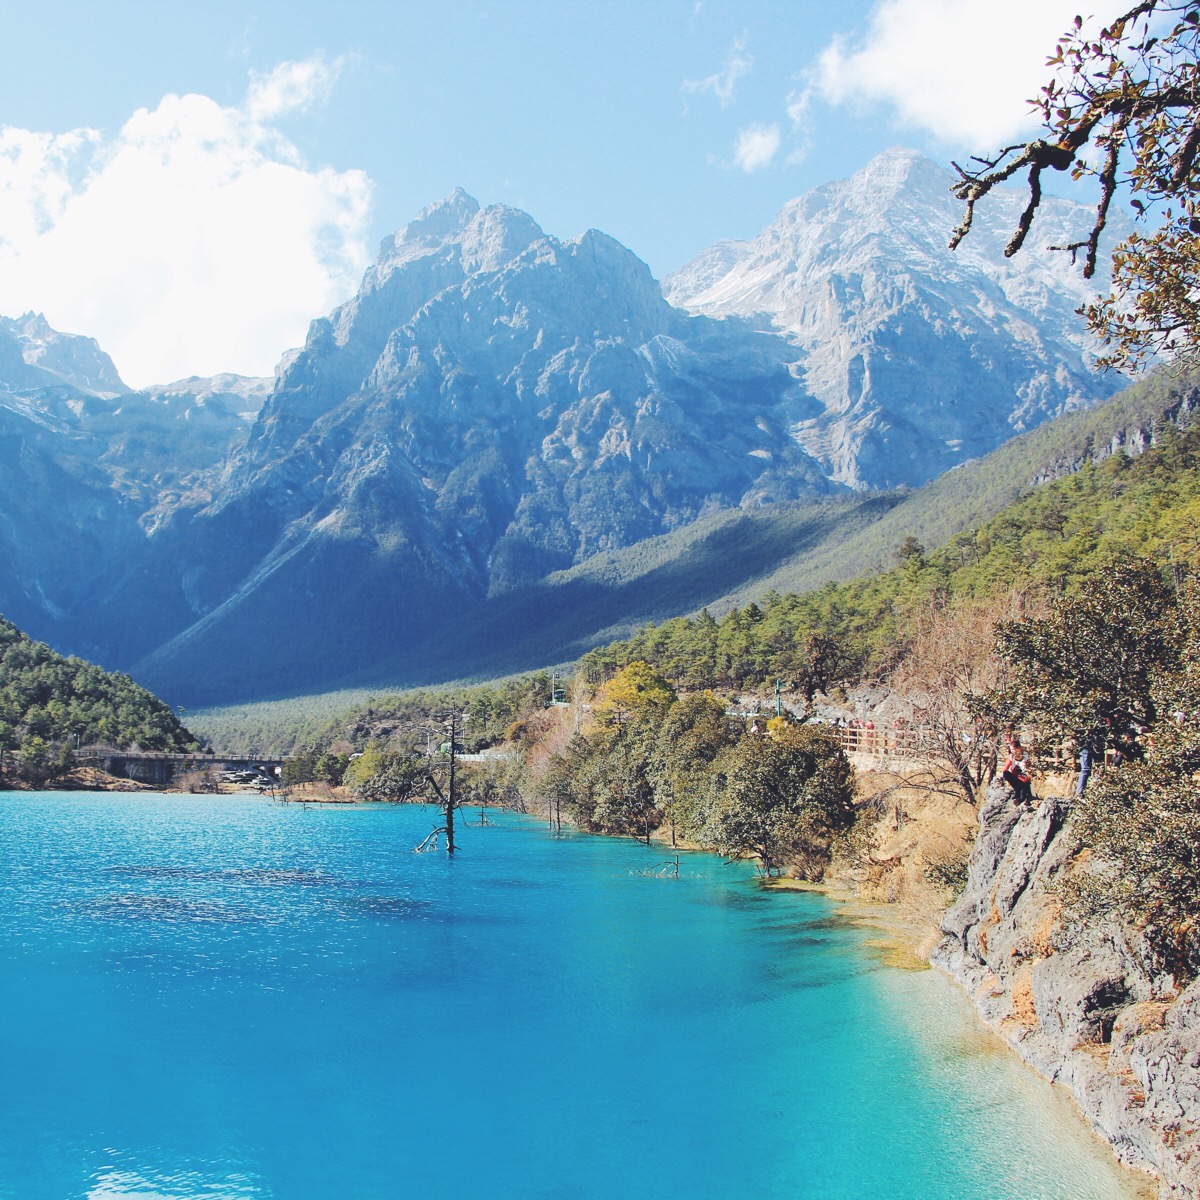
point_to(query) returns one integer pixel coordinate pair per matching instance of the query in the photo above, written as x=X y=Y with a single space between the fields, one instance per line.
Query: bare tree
x=444 y=790
x=951 y=660
x=1123 y=107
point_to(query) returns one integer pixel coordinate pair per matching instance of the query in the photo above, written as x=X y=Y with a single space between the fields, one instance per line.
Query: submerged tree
x=404 y=774
x=1123 y=107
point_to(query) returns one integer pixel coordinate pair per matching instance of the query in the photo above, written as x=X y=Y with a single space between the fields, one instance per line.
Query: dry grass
x=922 y=827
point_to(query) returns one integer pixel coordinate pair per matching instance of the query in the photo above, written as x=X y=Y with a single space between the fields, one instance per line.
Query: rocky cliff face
x=1087 y=1007
x=33 y=355
x=524 y=403
x=920 y=358
x=88 y=467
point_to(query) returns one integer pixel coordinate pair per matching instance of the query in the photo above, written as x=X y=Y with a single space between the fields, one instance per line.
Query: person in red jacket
x=1017 y=774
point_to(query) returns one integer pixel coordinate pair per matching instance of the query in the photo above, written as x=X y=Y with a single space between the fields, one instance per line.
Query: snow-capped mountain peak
x=55 y=359
x=919 y=355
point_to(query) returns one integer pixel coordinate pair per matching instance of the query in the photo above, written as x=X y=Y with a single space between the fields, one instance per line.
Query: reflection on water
x=149 y=907
x=123 y=1183
x=220 y=997
x=262 y=876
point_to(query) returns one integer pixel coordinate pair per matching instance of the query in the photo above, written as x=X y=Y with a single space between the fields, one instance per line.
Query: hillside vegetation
x=735 y=558
x=1069 y=614
x=1056 y=537
x=814 y=594
x=51 y=705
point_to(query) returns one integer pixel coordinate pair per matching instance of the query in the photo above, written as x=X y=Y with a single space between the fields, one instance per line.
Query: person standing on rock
x=1091 y=751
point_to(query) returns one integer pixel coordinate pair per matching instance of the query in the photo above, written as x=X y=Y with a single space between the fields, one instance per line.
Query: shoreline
x=907 y=943
x=1084 y=1014
x=911 y=937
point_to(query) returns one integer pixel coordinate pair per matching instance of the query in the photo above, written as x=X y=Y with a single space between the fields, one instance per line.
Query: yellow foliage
x=631 y=690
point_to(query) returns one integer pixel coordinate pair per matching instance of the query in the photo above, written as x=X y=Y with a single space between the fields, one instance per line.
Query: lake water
x=224 y=997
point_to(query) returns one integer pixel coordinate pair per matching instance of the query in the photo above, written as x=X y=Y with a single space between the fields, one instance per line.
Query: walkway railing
x=917 y=743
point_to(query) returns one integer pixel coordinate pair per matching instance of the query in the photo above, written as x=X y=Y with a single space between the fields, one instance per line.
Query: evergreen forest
x=51 y=706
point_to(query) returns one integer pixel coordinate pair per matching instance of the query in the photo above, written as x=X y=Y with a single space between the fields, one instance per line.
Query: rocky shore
x=1086 y=1007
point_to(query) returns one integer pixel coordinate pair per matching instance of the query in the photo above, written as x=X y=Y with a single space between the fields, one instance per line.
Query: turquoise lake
x=225 y=997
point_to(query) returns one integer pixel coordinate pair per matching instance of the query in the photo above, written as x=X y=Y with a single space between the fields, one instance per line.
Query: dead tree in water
x=447 y=796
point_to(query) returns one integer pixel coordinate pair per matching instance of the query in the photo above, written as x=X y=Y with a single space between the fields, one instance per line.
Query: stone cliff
x=1087 y=1006
x=496 y=408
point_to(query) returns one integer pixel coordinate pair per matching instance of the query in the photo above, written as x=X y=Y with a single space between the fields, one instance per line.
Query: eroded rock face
x=33 y=355
x=919 y=357
x=495 y=405
x=1085 y=1006
x=89 y=469
x=492 y=406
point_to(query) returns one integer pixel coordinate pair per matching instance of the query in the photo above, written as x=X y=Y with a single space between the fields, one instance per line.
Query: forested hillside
x=1070 y=614
x=51 y=705
x=736 y=558
x=838 y=590
x=1056 y=538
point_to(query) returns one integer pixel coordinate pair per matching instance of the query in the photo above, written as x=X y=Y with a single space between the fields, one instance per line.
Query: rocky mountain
x=919 y=357
x=35 y=356
x=496 y=405
x=87 y=465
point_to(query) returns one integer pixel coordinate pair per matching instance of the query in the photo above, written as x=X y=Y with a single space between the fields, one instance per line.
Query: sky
x=191 y=184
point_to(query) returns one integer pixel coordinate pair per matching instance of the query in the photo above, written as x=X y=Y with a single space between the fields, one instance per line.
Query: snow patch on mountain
x=53 y=359
x=919 y=356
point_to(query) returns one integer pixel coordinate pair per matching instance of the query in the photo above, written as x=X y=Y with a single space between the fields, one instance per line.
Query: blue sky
x=191 y=183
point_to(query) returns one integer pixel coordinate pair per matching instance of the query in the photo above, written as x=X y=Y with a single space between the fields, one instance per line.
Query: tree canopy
x=1122 y=106
x=1142 y=822
x=1090 y=668
x=49 y=704
x=632 y=689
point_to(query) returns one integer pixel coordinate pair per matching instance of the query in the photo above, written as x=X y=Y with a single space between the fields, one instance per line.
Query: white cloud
x=961 y=69
x=723 y=83
x=756 y=146
x=290 y=87
x=194 y=241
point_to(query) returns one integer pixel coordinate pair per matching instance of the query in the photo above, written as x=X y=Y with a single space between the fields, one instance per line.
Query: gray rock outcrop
x=497 y=408
x=1087 y=1006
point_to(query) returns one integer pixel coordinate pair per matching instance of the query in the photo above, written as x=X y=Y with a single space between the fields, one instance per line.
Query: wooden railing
x=917 y=743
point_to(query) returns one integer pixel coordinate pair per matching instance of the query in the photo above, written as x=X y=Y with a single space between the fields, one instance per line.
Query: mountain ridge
x=859 y=274
x=495 y=405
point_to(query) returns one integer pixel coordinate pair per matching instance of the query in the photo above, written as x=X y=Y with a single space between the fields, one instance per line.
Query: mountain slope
x=993 y=523
x=736 y=557
x=920 y=357
x=858 y=541
x=495 y=407
x=47 y=698
x=87 y=468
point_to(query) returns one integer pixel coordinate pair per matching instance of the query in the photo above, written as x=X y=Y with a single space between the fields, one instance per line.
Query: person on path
x=1091 y=745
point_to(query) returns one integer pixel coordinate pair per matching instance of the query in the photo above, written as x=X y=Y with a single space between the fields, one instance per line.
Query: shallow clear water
x=222 y=997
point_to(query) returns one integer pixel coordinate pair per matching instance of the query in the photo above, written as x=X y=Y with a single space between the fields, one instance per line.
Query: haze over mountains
x=495 y=405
